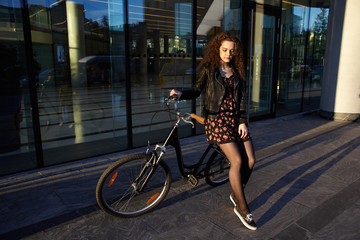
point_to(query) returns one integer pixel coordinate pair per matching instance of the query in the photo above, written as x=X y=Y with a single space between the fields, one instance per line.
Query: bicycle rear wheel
x=217 y=169
x=117 y=191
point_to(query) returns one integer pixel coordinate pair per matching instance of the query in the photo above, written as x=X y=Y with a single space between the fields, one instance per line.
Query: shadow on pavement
x=302 y=183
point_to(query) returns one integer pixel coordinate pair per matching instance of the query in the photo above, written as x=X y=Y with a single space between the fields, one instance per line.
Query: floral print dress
x=224 y=128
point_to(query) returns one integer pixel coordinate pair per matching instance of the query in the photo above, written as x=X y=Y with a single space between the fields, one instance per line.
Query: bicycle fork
x=173 y=140
x=152 y=164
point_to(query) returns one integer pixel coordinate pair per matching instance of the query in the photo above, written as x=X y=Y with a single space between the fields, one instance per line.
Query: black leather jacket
x=215 y=91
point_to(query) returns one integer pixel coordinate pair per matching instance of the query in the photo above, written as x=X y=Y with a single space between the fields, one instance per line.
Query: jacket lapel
x=218 y=77
x=236 y=78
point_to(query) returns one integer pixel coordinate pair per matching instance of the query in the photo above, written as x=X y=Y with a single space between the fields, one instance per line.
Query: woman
x=223 y=79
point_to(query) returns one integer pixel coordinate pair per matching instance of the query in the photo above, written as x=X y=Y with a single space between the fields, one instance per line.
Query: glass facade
x=160 y=39
x=262 y=58
x=16 y=115
x=83 y=78
x=302 y=52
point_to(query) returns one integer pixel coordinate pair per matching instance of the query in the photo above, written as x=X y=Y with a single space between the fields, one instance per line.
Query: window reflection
x=75 y=98
x=315 y=57
x=301 y=56
x=17 y=139
x=81 y=76
x=160 y=50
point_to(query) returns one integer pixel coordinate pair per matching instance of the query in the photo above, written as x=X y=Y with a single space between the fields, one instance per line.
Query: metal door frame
x=249 y=11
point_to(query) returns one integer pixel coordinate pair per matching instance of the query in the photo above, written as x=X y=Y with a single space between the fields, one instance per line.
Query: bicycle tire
x=116 y=191
x=217 y=169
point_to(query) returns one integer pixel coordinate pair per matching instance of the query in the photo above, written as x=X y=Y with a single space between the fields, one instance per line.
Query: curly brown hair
x=212 y=58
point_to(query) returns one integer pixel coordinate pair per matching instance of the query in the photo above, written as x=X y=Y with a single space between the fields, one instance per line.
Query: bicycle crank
x=193 y=180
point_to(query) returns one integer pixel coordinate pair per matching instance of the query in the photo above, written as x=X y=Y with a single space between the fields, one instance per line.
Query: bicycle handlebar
x=174 y=98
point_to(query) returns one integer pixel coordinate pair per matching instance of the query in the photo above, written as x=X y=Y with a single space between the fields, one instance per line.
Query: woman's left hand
x=243 y=130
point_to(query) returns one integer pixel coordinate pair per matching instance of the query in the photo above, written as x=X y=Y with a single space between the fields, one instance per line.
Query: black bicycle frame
x=173 y=140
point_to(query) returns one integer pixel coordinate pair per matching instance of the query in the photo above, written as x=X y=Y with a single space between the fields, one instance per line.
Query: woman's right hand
x=176 y=92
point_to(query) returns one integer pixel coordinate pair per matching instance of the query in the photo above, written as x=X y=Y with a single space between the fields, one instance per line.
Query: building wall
x=341 y=91
x=81 y=80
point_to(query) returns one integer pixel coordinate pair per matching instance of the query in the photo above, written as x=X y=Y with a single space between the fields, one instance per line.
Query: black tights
x=247 y=165
x=242 y=160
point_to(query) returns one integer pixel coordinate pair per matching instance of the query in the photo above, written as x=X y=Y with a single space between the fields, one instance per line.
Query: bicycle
x=137 y=183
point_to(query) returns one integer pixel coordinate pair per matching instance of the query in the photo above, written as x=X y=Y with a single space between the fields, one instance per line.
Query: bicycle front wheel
x=118 y=190
x=217 y=169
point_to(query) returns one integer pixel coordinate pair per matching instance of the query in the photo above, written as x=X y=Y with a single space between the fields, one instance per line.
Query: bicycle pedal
x=193 y=180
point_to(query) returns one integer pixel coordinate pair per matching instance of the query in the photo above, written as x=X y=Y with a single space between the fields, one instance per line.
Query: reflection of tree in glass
x=320 y=30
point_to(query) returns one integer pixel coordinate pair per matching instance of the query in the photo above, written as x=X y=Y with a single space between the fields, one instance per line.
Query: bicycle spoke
x=217 y=169
x=125 y=206
x=121 y=190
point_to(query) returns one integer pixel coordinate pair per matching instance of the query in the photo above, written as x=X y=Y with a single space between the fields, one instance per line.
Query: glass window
x=117 y=74
x=302 y=52
x=17 y=151
x=260 y=46
x=261 y=61
x=80 y=76
x=161 y=36
x=292 y=55
x=318 y=23
x=99 y=81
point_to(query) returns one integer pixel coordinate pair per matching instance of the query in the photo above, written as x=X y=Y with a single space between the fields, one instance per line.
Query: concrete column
x=258 y=54
x=76 y=38
x=340 y=96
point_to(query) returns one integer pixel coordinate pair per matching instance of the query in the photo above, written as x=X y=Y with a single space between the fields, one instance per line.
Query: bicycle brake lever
x=188 y=121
